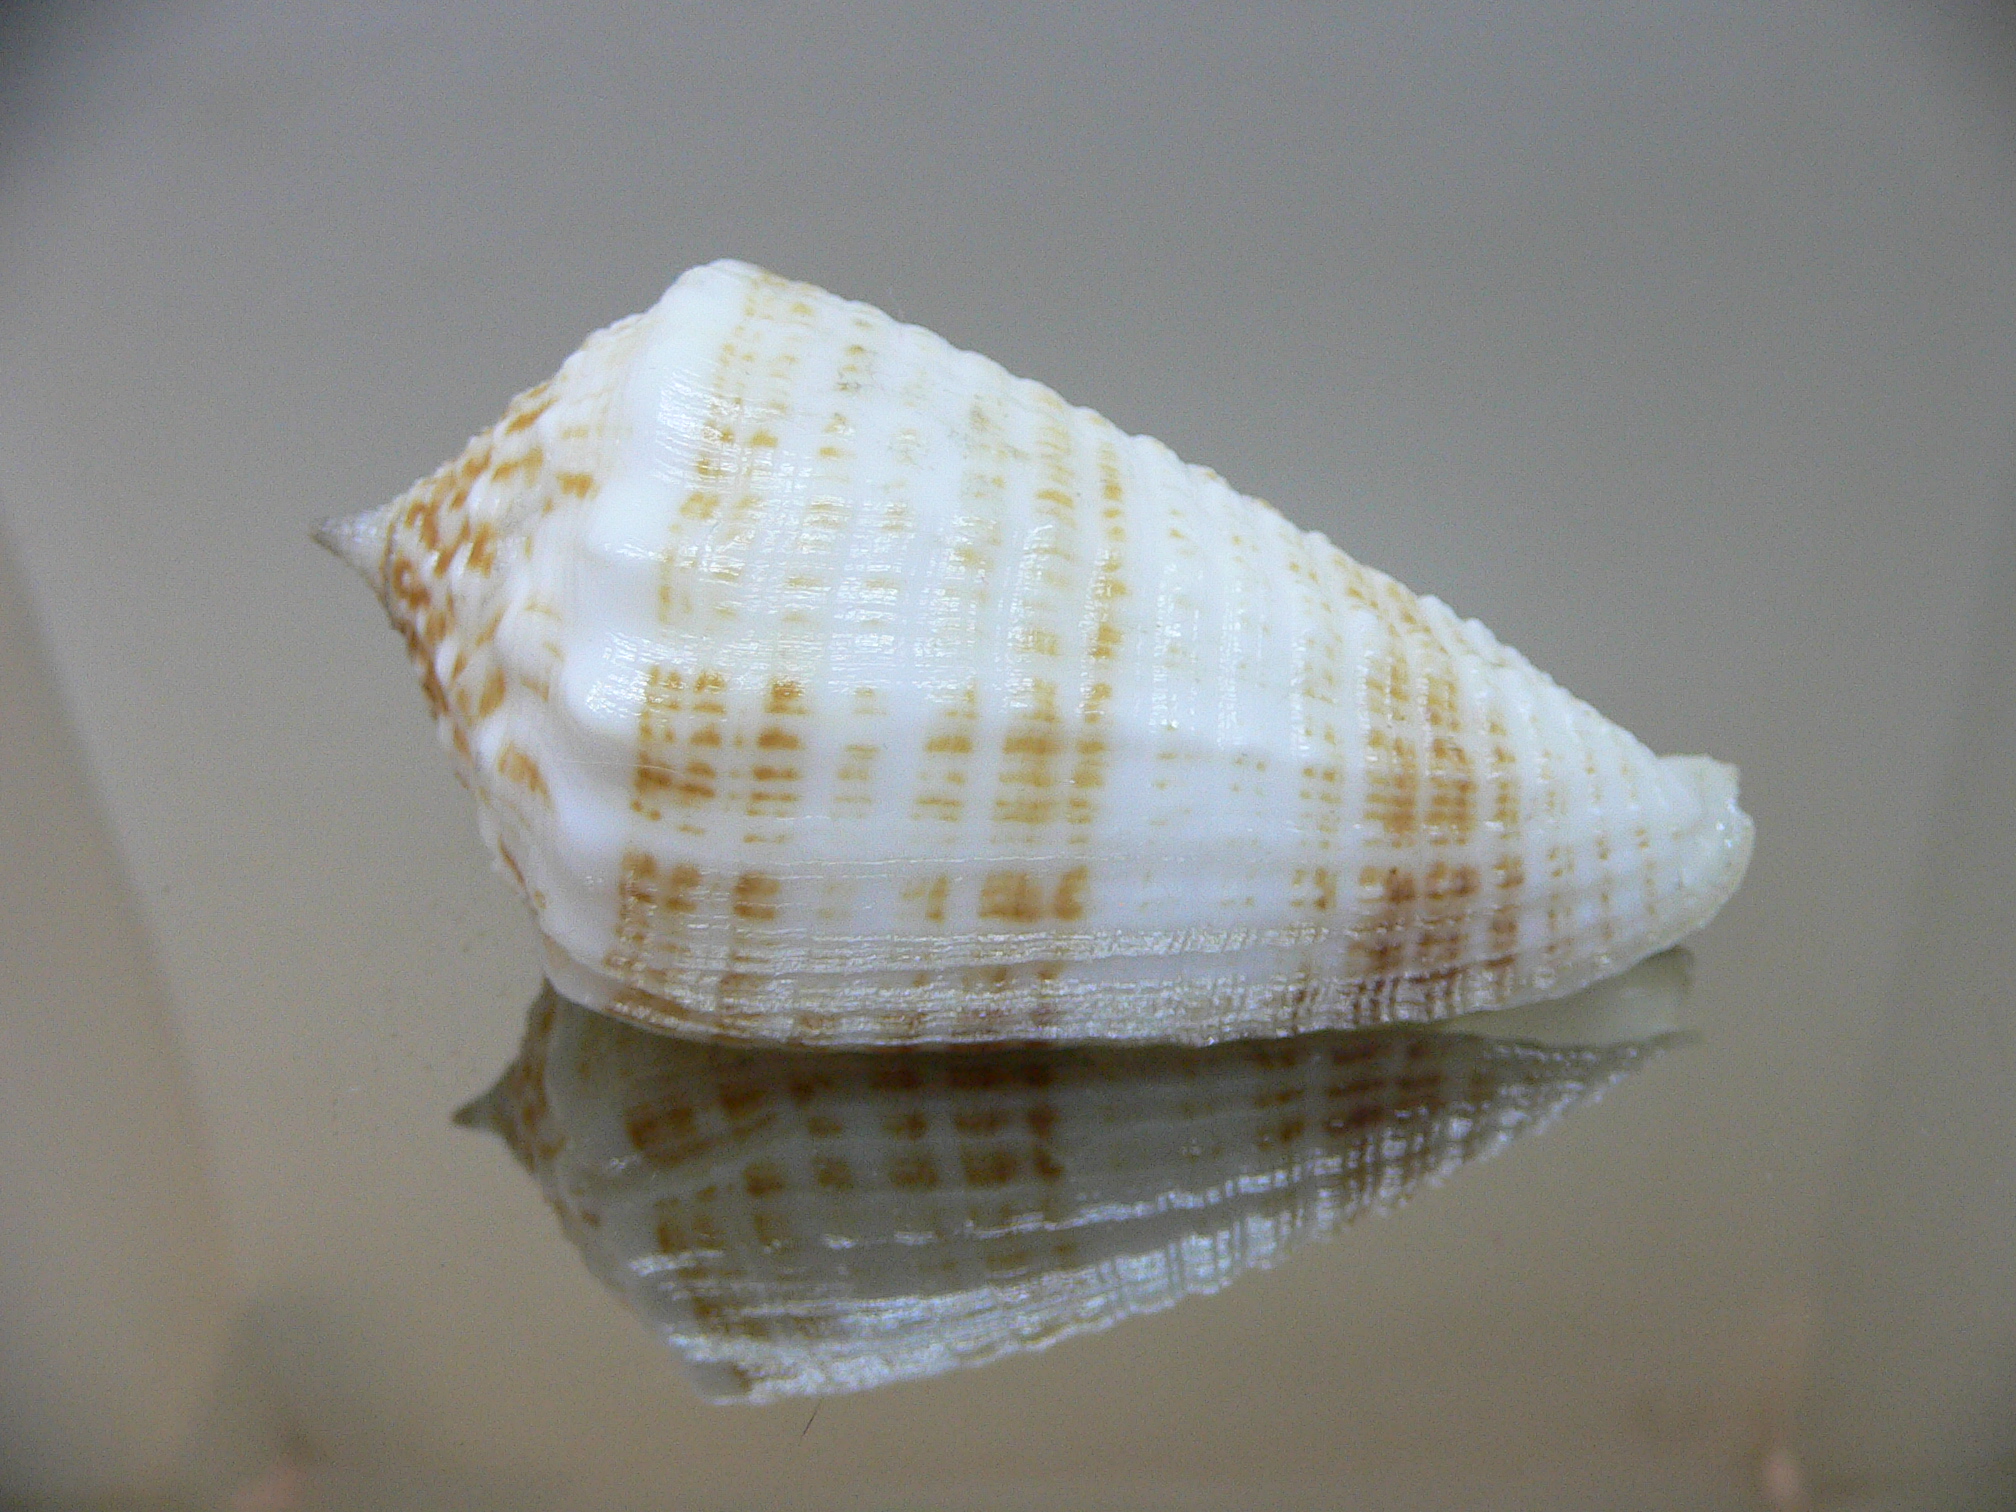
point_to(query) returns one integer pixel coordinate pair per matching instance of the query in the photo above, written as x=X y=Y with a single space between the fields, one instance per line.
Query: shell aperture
x=819 y=683
x=799 y=1222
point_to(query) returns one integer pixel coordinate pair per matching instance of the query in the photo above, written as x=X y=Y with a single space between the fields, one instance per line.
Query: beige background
x=1675 y=341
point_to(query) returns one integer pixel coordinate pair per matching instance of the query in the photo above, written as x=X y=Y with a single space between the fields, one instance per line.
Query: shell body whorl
x=821 y=683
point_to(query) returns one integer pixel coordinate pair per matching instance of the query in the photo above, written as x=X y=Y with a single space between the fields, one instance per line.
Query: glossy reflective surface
x=1673 y=342
x=798 y=1223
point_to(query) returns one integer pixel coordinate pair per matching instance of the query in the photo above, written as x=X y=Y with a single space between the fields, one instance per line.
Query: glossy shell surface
x=820 y=683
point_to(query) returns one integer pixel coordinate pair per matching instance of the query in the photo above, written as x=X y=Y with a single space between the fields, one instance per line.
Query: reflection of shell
x=812 y=675
x=803 y=1222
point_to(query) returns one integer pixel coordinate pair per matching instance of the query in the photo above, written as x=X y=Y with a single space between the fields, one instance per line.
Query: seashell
x=820 y=683
x=802 y=1222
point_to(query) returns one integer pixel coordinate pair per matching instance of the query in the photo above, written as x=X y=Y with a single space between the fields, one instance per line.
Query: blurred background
x=1676 y=341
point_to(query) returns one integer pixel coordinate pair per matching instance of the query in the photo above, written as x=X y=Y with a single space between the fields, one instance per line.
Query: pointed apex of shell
x=484 y=1111
x=360 y=540
x=492 y=1112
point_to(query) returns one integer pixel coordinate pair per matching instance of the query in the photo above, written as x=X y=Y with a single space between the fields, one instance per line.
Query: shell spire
x=821 y=683
x=359 y=540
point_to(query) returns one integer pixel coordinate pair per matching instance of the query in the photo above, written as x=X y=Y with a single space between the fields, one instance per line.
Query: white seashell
x=811 y=675
x=797 y=1222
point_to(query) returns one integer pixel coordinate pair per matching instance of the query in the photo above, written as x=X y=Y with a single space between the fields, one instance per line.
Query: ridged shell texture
x=821 y=683
x=797 y=1222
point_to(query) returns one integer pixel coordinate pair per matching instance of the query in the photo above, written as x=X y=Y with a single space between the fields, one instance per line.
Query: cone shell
x=797 y=1222
x=822 y=684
